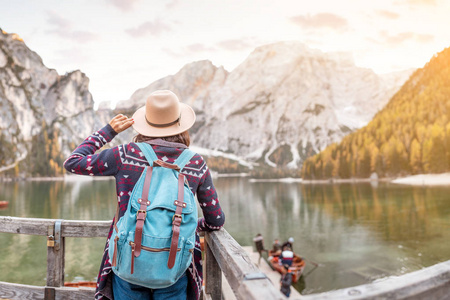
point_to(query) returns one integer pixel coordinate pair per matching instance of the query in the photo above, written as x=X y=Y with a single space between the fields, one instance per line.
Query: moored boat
x=297 y=267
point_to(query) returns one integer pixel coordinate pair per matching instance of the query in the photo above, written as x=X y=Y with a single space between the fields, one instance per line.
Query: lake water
x=356 y=232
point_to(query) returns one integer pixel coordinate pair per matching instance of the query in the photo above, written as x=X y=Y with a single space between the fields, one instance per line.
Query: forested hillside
x=411 y=135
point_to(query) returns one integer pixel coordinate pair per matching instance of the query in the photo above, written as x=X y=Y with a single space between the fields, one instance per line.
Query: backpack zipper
x=133 y=247
x=132 y=244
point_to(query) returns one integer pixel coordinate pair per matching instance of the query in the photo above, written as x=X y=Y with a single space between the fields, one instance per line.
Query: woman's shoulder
x=196 y=166
x=130 y=153
x=196 y=157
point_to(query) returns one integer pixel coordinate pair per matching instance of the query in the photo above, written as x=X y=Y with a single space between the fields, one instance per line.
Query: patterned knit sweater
x=126 y=163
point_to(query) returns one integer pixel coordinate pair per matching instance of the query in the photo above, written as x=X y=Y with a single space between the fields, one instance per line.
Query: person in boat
x=163 y=123
x=276 y=248
x=287 y=257
x=286 y=281
x=259 y=244
x=289 y=243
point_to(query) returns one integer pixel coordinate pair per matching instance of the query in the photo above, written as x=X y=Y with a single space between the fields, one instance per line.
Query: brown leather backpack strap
x=176 y=222
x=164 y=164
x=142 y=212
x=116 y=217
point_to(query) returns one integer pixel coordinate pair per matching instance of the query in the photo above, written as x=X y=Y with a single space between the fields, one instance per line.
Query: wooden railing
x=222 y=254
x=56 y=232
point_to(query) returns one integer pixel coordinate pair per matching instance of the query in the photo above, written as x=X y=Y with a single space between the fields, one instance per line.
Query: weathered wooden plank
x=21 y=291
x=239 y=269
x=85 y=228
x=70 y=228
x=259 y=289
x=203 y=295
x=432 y=283
x=55 y=265
x=213 y=275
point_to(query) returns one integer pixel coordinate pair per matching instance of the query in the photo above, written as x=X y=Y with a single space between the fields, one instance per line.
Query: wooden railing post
x=55 y=255
x=213 y=275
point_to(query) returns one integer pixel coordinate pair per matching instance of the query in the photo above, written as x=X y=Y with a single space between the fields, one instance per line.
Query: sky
x=124 y=45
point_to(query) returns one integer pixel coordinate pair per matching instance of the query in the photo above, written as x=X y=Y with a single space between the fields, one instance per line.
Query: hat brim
x=187 y=120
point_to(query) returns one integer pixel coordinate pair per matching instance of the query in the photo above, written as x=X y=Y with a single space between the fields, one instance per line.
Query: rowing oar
x=315 y=266
x=305 y=275
x=310 y=261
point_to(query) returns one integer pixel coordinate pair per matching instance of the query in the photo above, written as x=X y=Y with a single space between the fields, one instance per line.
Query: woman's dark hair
x=182 y=138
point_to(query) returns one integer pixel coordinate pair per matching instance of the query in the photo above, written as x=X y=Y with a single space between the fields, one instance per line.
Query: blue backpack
x=152 y=244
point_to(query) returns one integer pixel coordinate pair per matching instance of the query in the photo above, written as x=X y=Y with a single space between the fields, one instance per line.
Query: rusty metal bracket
x=54 y=235
x=254 y=276
x=49 y=293
x=58 y=234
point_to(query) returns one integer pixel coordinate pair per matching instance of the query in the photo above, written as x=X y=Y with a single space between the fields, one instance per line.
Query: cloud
x=124 y=5
x=416 y=4
x=235 y=44
x=76 y=55
x=421 y=2
x=199 y=47
x=172 y=4
x=403 y=37
x=57 y=20
x=388 y=14
x=63 y=28
x=171 y=52
x=155 y=28
x=321 y=20
x=191 y=49
x=424 y=38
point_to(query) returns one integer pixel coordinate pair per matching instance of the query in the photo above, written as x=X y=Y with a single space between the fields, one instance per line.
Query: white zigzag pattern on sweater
x=100 y=137
x=130 y=160
x=196 y=172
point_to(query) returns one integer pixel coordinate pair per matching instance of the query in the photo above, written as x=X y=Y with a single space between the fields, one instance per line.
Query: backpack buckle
x=178 y=216
x=141 y=211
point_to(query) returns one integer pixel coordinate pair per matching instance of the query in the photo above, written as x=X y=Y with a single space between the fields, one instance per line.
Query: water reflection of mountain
x=396 y=212
x=359 y=232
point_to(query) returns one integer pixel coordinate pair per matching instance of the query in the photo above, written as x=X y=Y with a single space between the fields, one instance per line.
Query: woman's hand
x=120 y=123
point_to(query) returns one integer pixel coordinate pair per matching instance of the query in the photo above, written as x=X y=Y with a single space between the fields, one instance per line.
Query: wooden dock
x=273 y=275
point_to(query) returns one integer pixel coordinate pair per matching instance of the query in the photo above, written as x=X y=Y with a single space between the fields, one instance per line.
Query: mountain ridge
x=282 y=104
x=41 y=113
x=286 y=86
x=410 y=135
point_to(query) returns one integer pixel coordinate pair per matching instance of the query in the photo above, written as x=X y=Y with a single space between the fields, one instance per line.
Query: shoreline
x=442 y=179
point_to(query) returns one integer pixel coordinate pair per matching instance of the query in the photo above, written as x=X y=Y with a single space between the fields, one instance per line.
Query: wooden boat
x=91 y=284
x=298 y=265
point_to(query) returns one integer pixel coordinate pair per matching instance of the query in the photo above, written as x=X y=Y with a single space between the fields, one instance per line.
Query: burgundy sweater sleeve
x=213 y=216
x=84 y=161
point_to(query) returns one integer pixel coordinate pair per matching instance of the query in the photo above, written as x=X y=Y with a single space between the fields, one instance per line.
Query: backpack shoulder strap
x=184 y=158
x=148 y=151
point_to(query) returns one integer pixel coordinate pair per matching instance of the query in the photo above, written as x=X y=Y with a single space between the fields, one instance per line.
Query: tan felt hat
x=163 y=115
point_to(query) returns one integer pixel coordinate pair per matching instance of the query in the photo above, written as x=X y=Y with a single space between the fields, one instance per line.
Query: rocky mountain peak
x=282 y=104
x=36 y=105
x=285 y=102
